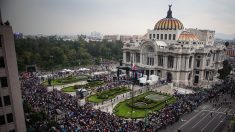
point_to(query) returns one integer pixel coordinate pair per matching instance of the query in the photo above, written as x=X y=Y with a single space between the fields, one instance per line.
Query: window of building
x=1 y=40
x=6 y=100
x=170 y=62
x=0 y=101
x=197 y=72
x=137 y=57
x=2 y=63
x=157 y=36
x=165 y=36
x=161 y=36
x=207 y=75
x=3 y=81
x=189 y=76
x=207 y=62
x=160 y=60
x=154 y=36
x=9 y=118
x=190 y=61
x=173 y=36
x=150 y=61
x=128 y=56
x=198 y=63
x=169 y=36
x=2 y=120
x=150 y=36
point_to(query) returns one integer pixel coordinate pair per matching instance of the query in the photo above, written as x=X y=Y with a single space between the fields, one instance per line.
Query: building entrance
x=169 y=77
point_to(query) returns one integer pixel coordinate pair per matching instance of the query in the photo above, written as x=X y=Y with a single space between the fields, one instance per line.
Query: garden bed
x=107 y=94
x=142 y=105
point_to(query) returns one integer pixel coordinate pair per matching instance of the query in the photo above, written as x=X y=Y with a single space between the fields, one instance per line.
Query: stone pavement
x=59 y=87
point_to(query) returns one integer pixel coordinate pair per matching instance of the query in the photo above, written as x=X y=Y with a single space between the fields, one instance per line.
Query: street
x=206 y=118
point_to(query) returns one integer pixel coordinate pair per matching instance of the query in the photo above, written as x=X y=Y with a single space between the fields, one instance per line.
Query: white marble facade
x=176 y=54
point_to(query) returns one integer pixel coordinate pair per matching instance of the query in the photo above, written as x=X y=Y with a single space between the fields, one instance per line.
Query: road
x=206 y=118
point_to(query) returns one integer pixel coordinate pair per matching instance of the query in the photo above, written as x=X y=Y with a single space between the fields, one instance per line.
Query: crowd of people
x=73 y=117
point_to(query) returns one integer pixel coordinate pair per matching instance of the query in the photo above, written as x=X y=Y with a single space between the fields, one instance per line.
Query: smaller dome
x=187 y=36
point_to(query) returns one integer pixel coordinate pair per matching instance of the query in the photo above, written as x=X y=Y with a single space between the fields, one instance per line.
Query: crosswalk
x=210 y=108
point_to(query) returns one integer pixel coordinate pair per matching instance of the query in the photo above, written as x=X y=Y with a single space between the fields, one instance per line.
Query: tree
x=226 y=43
x=226 y=70
x=65 y=53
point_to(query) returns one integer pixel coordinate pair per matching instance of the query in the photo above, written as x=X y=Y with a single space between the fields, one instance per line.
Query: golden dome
x=169 y=23
x=187 y=36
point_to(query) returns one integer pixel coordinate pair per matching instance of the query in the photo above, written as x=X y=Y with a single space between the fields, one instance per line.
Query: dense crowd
x=71 y=117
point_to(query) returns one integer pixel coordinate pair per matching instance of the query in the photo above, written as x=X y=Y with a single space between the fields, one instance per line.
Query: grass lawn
x=107 y=94
x=94 y=98
x=232 y=124
x=69 y=89
x=67 y=80
x=123 y=109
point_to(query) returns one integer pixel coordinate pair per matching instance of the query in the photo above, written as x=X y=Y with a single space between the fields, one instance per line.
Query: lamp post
x=52 y=57
x=145 y=116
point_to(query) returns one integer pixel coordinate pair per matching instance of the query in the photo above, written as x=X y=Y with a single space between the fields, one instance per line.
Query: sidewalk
x=59 y=87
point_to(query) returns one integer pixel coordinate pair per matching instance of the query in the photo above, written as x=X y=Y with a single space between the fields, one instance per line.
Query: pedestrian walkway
x=59 y=87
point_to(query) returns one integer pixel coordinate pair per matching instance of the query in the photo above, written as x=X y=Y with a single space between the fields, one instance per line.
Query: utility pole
x=52 y=57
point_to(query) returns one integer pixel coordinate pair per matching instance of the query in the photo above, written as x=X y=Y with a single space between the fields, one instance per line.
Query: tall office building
x=11 y=108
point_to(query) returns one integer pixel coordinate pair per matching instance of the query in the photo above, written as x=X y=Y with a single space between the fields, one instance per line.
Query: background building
x=11 y=108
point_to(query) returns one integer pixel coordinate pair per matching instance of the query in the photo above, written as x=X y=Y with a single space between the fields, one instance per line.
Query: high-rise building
x=11 y=107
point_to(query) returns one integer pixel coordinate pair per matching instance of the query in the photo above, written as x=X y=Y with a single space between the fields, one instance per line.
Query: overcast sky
x=114 y=16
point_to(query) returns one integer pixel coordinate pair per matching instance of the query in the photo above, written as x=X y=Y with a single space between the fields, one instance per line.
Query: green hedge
x=149 y=103
x=123 y=109
x=107 y=94
x=112 y=92
x=93 y=84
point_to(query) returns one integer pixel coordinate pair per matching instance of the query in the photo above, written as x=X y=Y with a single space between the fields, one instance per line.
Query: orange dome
x=187 y=36
x=169 y=23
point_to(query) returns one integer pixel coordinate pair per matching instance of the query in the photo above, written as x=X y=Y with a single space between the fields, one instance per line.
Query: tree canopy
x=48 y=52
x=226 y=70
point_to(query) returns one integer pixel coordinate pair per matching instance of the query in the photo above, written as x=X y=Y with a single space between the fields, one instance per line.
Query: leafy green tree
x=225 y=71
x=65 y=53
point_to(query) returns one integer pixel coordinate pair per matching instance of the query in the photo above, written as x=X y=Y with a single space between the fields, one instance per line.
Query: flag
x=133 y=67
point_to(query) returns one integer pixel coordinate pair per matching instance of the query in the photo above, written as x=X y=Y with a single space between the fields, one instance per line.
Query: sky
x=127 y=17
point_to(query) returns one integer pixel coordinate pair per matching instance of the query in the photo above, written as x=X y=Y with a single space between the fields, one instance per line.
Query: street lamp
x=52 y=57
x=145 y=116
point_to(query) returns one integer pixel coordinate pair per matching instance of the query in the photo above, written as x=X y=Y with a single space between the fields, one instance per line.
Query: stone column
x=124 y=57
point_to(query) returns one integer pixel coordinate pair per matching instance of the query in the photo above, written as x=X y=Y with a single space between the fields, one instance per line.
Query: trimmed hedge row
x=112 y=92
x=150 y=103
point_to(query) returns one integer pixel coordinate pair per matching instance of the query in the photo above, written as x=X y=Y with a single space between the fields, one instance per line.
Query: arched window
x=148 y=58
